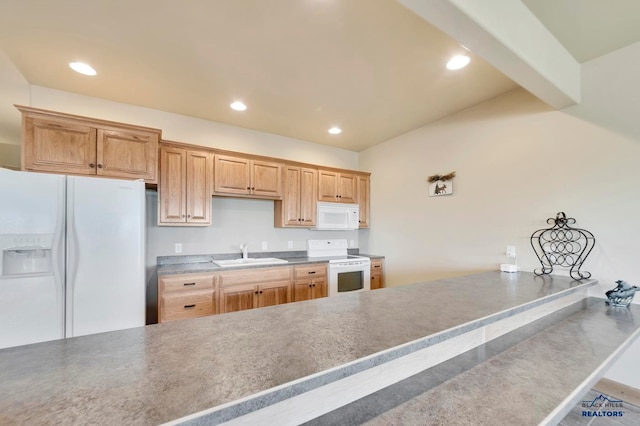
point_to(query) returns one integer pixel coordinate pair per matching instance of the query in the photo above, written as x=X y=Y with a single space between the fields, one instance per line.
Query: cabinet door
x=232 y=175
x=363 y=201
x=199 y=182
x=238 y=298
x=347 y=188
x=266 y=179
x=291 y=214
x=127 y=154
x=327 y=186
x=299 y=200
x=172 y=192
x=57 y=146
x=302 y=290
x=318 y=288
x=308 y=196
x=377 y=274
x=274 y=293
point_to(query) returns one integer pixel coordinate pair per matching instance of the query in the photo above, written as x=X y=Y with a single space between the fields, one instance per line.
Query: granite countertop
x=170 y=265
x=158 y=373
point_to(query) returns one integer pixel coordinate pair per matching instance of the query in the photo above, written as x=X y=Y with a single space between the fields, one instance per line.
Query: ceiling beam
x=508 y=35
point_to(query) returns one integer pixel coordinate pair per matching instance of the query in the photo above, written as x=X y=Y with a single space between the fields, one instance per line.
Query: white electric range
x=347 y=273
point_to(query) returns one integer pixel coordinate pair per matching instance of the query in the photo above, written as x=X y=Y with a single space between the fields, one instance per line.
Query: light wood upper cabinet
x=245 y=177
x=298 y=205
x=63 y=143
x=363 y=201
x=337 y=187
x=184 y=193
x=54 y=146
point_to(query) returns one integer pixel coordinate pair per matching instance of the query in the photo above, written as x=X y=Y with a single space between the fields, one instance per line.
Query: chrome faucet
x=244 y=248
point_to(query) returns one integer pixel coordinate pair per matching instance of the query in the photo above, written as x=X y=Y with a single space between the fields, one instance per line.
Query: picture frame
x=440 y=188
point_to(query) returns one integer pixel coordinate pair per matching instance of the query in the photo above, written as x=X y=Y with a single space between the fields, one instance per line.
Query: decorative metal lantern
x=562 y=245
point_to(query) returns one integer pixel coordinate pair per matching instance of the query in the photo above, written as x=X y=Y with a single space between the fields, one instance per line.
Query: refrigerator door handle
x=72 y=257
x=59 y=255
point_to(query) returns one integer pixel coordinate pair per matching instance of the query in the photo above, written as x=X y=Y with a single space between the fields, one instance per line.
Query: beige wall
x=14 y=89
x=518 y=162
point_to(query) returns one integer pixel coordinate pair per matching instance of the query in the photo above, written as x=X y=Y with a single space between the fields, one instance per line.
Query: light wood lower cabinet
x=254 y=288
x=186 y=296
x=195 y=295
x=310 y=282
x=377 y=274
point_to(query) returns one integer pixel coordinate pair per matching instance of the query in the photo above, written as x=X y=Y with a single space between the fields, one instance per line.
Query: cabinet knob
x=253 y=188
x=248 y=188
x=311 y=272
x=189 y=306
x=314 y=285
x=92 y=165
x=99 y=166
x=189 y=216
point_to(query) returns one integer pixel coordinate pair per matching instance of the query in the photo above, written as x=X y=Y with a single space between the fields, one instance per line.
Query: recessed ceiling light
x=335 y=130
x=238 y=106
x=457 y=62
x=82 y=68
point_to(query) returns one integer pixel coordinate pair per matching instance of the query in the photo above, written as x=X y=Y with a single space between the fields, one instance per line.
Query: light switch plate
x=264 y=245
x=178 y=248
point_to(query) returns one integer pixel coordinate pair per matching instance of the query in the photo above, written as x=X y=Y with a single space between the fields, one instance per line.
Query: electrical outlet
x=352 y=243
x=290 y=244
x=264 y=245
x=178 y=248
x=511 y=252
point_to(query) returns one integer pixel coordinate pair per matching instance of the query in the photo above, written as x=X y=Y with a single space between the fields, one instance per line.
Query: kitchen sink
x=250 y=261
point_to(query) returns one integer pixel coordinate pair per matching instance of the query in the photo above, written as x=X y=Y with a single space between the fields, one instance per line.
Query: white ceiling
x=371 y=67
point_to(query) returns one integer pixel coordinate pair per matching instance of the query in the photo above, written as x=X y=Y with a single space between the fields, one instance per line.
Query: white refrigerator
x=71 y=256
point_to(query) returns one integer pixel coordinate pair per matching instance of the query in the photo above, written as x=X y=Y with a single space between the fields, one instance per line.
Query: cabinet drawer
x=246 y=276
x=310 y=271
x=376 y=266
x=190 y=283
x=188 y=306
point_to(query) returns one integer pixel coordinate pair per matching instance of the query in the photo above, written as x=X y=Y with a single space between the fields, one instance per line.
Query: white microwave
x=337 y=216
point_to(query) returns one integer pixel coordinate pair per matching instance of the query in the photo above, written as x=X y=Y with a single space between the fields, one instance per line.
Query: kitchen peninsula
x=214 y=369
